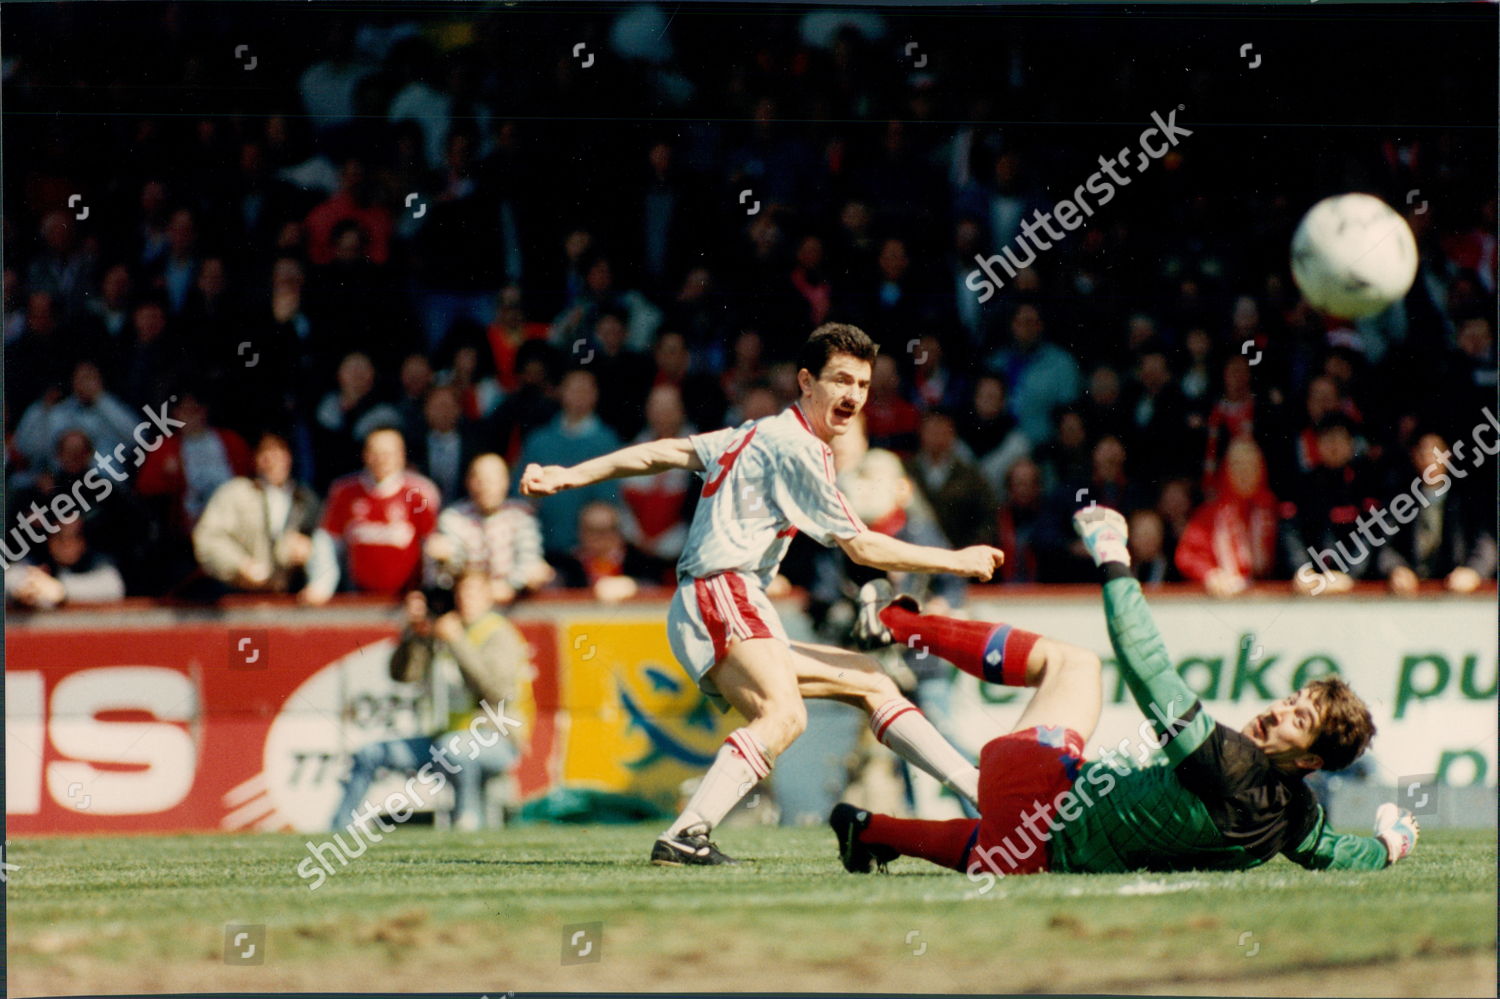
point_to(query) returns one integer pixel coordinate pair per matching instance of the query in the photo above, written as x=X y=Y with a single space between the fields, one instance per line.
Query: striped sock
x=899 y=725
x=996 y=653
x=741 y=763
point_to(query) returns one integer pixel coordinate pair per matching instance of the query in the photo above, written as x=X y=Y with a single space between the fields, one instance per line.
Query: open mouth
x=1260 y=727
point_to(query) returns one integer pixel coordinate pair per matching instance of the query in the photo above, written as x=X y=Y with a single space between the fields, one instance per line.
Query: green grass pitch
x=486 y=912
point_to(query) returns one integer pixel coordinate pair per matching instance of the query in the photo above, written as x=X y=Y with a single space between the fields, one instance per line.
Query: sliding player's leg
x=825 y=671
x=756 y=677
x=1067 y=679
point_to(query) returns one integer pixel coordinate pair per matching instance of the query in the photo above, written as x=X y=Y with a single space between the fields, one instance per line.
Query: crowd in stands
x=362 y=306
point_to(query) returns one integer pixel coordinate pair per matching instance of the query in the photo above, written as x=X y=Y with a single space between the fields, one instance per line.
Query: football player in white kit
x=763 y=482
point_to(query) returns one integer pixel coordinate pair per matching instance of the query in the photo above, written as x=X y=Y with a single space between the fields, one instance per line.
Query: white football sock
x=741 y=763
x=900 y=725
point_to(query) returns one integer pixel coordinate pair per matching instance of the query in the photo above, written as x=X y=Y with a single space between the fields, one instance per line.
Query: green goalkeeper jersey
x=1214 y=802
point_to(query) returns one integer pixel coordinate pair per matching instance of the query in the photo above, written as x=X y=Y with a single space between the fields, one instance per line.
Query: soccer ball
x=1352 y=256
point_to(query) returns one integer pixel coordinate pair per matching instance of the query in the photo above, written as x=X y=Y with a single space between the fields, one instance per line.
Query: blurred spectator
x=605 y=562
x=991 y=432
x=1150 y=560
x=1067 y=457
x=146 y=367
x=484 y=530
x=700 y=392
x=416 y=380
x=465 y=659
x=256 y=533
x=66 y=570
x=509 y=330
x=1231 y=539
x=746 y=368
x=531 y=406
x=600 y=293
x=1102 y=407
x=575 y=435
x=354 y=303
x=187 y=468
x=1318 y=527
x=35 y=361
x=379 y=517
x=1020 y=515
x=623 y=375
x=891 y=422
x=88 y=408
x=117 y=523
x=673 y=213
x=447 y=442
x=1232 y=417
x=957 y=493
x=352 y=202
x=346 y=416
x=1156 y=419
x=810 y=281
x=106 y=320
x=1197 y=381
x=1175 y=504
x=936 y=381
x=175 y=272
x=1439 y=536
x=63 y=270
x=327 y=87
x=661 y=505
x=1324 y=401
x=1041 y=375
x=470 y=370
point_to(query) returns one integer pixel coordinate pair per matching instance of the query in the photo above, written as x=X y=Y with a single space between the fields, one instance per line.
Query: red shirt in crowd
x=383 y=528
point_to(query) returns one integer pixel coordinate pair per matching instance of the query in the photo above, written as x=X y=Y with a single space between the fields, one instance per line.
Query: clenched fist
x=544 y=480
x=978 y=561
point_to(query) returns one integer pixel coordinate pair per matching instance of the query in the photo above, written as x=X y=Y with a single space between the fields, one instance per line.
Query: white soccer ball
x=1353 y=255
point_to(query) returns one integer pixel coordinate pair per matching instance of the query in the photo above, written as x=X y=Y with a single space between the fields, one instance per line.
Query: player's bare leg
x=825 y=671
x=757 y=678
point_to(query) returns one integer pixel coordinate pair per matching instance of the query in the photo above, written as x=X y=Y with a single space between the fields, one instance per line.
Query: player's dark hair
x=835 y=338
x=1346 y=727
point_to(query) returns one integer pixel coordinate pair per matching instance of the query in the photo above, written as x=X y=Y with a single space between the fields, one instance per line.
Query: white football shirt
x=764 y=481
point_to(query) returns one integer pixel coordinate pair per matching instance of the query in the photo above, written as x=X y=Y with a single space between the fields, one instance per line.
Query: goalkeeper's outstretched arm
x=1175 y=712
x=1396 y=833
x=638 y=459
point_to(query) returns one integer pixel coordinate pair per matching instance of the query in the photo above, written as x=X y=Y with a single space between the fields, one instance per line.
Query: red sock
x=945 y=843
x=996 y=653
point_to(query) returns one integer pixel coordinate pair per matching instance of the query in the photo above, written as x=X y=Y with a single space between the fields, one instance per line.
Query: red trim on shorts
x=718 y=630
x=751 y=617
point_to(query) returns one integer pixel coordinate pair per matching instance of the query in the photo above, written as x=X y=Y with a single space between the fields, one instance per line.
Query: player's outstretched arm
x=1396 y=833
x=638 y=459
x=881 y=551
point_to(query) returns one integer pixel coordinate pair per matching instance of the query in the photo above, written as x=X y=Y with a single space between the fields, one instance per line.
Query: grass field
x=485 y=912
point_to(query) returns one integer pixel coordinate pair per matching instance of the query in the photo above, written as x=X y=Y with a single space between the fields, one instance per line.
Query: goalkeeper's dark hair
x=1346 y=727
x=835 y=338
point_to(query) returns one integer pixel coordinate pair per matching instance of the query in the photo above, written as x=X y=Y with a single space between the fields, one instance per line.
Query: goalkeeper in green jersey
x=1222 y=800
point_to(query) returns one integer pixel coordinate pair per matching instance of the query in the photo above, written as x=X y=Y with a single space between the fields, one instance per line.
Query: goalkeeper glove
x=1397 y=828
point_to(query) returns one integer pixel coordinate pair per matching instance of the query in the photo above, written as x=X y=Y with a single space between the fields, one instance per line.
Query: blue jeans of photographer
x=472 y=763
